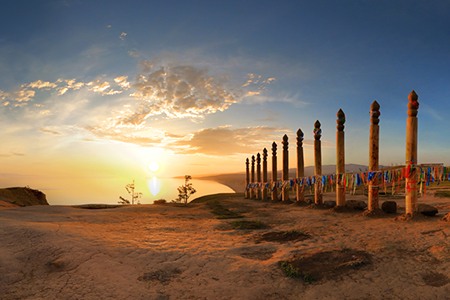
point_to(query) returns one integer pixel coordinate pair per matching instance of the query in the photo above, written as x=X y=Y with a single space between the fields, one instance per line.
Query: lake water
x=152 y=188
x=166 y=188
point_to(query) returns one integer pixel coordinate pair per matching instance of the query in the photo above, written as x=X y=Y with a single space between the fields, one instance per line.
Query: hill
x=21 y=196
x=236 y=181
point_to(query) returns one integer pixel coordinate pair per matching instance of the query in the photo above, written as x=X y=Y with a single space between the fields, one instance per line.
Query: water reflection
x=154 y=185
x=166 y=188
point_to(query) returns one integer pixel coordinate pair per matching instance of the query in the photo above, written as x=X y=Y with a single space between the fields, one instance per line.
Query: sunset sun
x=153 y=166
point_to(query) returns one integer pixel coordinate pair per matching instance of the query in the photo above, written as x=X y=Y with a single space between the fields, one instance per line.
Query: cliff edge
x=21 y=196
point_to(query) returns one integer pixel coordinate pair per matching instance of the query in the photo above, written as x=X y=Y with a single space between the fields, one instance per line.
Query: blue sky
x=200 y=85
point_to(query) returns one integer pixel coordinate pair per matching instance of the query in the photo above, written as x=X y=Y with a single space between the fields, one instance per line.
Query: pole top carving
x=247 y=162
x=258 y=158
x=253 y=159
x=285 y=142
x=317 y=131
x=274 y=148
x=340 y=120
x=413 y=104
x=299 y=137
x=264 y=153
x=375 y=113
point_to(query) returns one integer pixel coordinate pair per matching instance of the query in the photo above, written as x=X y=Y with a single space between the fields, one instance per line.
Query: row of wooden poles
x=262 y=192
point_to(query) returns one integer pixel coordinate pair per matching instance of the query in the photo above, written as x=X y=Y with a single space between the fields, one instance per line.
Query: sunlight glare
x=154 y=185
x=153 y=166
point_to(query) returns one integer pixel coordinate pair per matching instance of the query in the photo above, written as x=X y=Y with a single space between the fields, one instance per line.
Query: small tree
x=134 y=196
x=186 y=190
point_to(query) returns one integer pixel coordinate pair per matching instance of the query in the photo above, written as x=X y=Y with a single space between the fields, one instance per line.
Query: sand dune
x=203 y=251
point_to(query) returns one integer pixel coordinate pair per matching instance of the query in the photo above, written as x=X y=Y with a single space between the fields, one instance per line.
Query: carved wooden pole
x=258 y=176
x=340 y=158
x=411 y=155
x=372 y=201
x=247 y=179
x=274 y=172
x=264 y=179
x=252 y=189
x=317 y=164
x=300 y=165
x=285 y=194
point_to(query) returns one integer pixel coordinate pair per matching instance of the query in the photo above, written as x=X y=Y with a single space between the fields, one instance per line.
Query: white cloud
x=39 y=84
x=24 y=95
x=122 y=81
x=123 y=35
x=144 y=137
x=50 y=130
x=225 y=140
x=3 y=95
x=180 y=91
x=68 y=84
x=168 y=90
x=102 y=88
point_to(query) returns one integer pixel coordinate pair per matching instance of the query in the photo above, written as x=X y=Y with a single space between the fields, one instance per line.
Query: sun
x=153 y=166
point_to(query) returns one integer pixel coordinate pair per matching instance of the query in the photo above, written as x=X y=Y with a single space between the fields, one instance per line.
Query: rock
x=389 y=207
x=23 y=196
x=446 y=217
x=427 y=210
x=356 y=204
x=329 y=203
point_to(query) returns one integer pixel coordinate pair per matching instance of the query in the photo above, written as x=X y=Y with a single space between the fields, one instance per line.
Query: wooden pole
x=300 y=165
x=252 y=189
x=247 y=179
x=274 y=172
x=286 y=186
x=411 y=155
x=317 y=164
x=258 y=176
x=264 y=179
x=372 y=201
x=340 y=158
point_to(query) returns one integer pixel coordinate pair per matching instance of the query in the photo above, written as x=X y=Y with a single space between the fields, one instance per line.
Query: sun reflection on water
x=154 y=185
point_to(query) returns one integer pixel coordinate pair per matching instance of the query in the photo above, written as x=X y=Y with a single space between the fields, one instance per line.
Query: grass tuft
x=293 y=272
x=244 y=224
x=222 y=212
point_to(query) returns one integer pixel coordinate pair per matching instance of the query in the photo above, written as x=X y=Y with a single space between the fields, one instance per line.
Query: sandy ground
x=169 y=252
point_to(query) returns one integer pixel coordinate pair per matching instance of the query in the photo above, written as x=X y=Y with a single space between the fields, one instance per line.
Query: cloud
x=50 y=131
x=11 y=154
x=122 y=81
x=133 y=53
x=433 y=113
x=24 y=95
x=67 y=85
x=160 y=89
x=168 y=89
x=151 y=137
x=3 y=97
x=39 y=84
x=27 y=91
x=99 y=87
x=180 y=91
x=123 y=35
x=225 y=140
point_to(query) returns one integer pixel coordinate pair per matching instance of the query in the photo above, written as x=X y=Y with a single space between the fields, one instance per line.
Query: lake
x=108 y=191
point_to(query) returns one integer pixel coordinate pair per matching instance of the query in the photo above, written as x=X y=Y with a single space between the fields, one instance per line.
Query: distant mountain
x=236 y=181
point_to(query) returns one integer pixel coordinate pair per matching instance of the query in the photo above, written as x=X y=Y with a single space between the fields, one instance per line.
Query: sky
x=94 y=94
